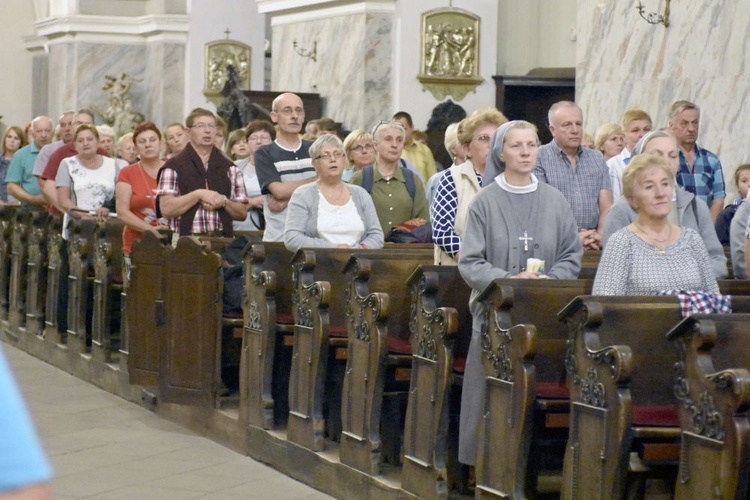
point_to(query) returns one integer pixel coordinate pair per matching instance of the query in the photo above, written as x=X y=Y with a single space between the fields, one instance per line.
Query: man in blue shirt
x=700 y=170
x=22 y=184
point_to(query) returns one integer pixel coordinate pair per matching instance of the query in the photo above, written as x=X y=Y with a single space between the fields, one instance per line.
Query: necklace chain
x=654 y=238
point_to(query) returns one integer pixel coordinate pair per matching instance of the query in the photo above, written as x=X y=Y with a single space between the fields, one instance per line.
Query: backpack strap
x=368 y=178
x=411 y=185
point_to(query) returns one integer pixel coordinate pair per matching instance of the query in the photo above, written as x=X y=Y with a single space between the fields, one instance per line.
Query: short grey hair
x=561 y=104
x=680 y=106
x=382 y=126
x=324 y=140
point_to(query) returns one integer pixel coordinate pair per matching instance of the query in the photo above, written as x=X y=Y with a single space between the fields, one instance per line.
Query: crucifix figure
x=526 y=238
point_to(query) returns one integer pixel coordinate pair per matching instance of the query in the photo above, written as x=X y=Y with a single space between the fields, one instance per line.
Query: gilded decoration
x=449 y=64
x=219 y=55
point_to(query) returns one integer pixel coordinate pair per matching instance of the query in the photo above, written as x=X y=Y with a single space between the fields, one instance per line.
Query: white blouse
x=339 y=223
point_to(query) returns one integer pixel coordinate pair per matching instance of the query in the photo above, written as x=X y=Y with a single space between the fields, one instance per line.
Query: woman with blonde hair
x=609 y=140
x=360 y=152
x=459 y=184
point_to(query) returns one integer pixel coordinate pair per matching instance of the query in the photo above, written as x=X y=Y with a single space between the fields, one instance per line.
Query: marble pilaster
x=704 y=56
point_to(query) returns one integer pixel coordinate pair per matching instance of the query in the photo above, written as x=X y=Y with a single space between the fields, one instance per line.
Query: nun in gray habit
x=513 y=218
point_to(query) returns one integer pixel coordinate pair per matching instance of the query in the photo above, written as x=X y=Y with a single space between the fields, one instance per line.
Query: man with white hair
x=579 y=173
x=22 y=185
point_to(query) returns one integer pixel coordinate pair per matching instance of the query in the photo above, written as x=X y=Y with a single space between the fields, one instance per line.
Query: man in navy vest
x=200 y=190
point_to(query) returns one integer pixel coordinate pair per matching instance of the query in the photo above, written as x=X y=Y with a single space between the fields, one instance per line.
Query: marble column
x=624 y=62
x=83 y=49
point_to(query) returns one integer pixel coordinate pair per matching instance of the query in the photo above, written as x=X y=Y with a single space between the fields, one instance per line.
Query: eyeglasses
x=289 y=110
x=203 y=126
x=327 y=156
x=482 y=138
x=362 y=148
x=380 y=124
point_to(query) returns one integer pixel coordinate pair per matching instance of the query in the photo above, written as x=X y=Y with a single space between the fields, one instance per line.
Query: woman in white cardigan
x=329 y=213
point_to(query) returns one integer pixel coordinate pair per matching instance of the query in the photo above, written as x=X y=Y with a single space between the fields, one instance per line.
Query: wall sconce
x=654 y=17
x=308 y=53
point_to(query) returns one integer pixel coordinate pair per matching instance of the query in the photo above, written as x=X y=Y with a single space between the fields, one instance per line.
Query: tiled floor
x=103 y=447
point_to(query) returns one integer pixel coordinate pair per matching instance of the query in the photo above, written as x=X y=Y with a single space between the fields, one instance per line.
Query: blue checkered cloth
x=706 y=181
x=693 y=302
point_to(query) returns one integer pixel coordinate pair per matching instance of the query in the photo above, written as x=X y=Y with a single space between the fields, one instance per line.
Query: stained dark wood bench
x=379 y=360
x=440 y=329
x=525 y=422
x=56 y=276
x=144 y=310
x=107 y=291
x=320 y=340
x=713 y=389
x=80 y=276
x=269 y=326
x=7 y=216
x=19 y=251
x=622 y=393
x=36 y=273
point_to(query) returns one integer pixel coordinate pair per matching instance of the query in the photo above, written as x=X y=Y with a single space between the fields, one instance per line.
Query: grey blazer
x=692 y=212
x=301 y=230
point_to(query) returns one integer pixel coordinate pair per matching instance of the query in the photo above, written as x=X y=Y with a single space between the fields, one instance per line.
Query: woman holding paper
x=514 y=218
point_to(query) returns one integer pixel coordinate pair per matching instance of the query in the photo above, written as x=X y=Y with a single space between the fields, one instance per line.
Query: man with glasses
x=284 y=165
x=700 y=170
x=200 y=190
x=579 y=173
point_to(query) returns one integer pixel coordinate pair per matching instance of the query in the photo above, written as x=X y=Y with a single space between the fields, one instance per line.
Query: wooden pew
x=621 y=387
x=80 y=252
x=19 y=248
x=36 y=274
x=319 y=309
x=440 y=330
x=713 y=388
x=525 y=420
x=144 y=309
x=7 y=216
x=107 y=291
x=190 y=347
x=269 y=326
x=56 y=276
x=379 y=358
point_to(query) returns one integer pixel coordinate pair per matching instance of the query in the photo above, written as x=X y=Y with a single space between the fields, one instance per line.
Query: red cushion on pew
x=285 y=318
x=552 y=390
x=338 y=331
x=398 y=346
x=659 y=416
x=232 y=315
x=459 y=365
x=117 y=279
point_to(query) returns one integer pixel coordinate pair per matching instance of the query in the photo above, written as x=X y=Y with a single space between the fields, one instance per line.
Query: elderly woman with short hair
x=329 y=213
x=686 y=210
x=395 y=186
x=459 y=184
x=652 y=254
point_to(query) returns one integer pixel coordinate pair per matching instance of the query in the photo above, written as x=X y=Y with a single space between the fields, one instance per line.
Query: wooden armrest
x=400 y=360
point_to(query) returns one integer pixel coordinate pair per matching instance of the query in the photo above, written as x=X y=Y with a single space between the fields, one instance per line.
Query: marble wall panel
x=704 y=56
x=353 y=68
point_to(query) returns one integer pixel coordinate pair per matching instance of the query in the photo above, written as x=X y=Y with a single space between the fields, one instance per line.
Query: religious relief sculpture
x=219 y=56
x=450 y=52
x=119 y=113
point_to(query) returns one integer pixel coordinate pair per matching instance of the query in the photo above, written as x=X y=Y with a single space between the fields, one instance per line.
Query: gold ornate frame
x=449 y=62
x=219 y=54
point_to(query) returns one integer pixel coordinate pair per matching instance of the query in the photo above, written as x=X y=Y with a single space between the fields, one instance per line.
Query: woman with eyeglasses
x=329 y=213
x=257 y=133
x=459 y=184
x=360 y=152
